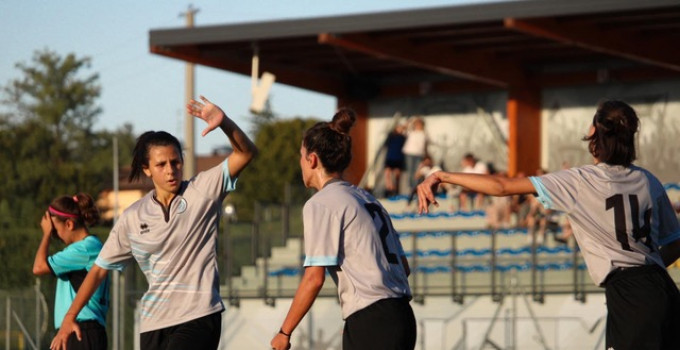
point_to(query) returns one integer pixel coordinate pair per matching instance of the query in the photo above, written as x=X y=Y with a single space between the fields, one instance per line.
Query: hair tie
x=75 y=198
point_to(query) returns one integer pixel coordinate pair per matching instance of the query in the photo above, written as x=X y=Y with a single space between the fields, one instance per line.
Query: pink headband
x=61 y=213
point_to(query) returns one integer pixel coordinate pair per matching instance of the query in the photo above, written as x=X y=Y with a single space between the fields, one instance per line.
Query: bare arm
x=670 y=252
x=92 y=281
x=40 y=264
x=486 y=184
x=309 y=288
x=244 y=149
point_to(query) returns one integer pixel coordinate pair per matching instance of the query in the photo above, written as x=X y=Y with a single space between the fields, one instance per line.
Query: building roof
x=447 y=49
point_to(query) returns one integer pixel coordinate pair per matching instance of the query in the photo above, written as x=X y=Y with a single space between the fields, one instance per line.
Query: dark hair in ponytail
x=81 y=208
x=613 y=141
x=331 y=141
x=140 y=155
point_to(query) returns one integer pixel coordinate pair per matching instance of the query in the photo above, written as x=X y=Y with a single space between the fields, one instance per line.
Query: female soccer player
x=171 y=233
x=349 y=234
x=622 y=220
x=67 y=218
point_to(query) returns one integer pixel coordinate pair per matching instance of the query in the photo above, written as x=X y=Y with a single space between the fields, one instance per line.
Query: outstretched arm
x=486 y=184
x=92 y=281
x=244 y=148
x=309 y=288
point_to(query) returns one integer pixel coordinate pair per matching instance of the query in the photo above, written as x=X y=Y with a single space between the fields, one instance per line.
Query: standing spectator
x=394 y=160
x=415 y=149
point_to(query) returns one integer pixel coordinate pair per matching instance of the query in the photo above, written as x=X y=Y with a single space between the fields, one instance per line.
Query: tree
x=48 y=148
x=48 y=145
x=277 y=164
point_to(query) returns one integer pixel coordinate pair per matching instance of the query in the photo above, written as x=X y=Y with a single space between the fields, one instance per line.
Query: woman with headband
x=67 y=219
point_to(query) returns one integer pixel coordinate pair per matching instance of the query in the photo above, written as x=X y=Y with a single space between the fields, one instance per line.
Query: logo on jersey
x=144 y=228
x=182 y=206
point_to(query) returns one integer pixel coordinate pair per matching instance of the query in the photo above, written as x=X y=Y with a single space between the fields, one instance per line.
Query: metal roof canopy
x=461 y=48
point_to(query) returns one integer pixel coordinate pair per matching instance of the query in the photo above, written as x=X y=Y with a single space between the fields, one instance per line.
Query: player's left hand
x=209 y=112
x=280 y=342
x=426 y=191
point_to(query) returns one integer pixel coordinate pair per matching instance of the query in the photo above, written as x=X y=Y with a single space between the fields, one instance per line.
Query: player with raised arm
x=622 y=220
x=68 y=219
x=348 y=233
x=171 y=234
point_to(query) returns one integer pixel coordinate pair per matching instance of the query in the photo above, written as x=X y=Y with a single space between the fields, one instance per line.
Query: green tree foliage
x=48 y=148
x=277 y=164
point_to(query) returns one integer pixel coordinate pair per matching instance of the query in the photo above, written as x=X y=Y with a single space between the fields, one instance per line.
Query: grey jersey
x=348 y=231
x=620 y=216
x=176 y=250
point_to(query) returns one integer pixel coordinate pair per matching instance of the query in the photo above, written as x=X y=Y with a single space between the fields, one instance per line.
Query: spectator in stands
x=498 y=211
x=172 y=235
x=415 y=149
x=622 y=220
x=348 y=234
x=520 y=205
x=471 y=165
x=394 y=160
x=67 y=219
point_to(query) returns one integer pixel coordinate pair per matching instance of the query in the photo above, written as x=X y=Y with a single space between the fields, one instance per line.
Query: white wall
x=563 y=322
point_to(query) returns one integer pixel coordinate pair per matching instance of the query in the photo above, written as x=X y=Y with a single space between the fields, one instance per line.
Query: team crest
x=182 y=206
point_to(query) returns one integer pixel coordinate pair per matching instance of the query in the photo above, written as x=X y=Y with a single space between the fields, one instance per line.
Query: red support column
x=359 y=135
x=524 y=142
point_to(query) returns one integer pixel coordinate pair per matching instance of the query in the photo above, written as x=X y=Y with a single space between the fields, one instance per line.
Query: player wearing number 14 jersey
x=349 y=234
x=623 y=222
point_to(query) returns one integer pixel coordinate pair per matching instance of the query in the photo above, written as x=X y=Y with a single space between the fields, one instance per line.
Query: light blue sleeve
x=665 y=222
x=72 y=258
x=543 y=196
x=321 y=234
x=228 y=184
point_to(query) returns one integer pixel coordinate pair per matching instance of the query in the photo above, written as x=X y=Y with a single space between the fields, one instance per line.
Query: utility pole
x=115 y=279
x=189 y=143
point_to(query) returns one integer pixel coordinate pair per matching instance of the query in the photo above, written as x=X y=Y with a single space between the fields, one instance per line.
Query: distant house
x=129 y=192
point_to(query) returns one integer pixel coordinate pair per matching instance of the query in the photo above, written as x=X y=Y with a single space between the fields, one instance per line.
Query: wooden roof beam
x=318 y=81
x=478 y=67
x=653 y=51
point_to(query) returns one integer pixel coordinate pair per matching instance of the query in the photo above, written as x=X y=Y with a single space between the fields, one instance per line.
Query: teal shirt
x=70 y=266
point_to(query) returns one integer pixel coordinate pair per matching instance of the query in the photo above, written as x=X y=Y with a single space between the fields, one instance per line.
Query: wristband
x=284 y=333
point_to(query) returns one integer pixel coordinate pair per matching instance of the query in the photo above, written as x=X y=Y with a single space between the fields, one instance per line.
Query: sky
x=147 y=90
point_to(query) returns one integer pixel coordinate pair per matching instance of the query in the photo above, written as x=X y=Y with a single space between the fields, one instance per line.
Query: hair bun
x=343 y=120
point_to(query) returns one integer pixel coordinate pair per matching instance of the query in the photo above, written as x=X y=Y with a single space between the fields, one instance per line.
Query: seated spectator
x=498 y=212
x=520 y=206
x=472 y=165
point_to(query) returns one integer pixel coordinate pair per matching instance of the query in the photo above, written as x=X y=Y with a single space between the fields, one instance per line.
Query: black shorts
x=201 y=333
x=394 y=163
x=385 y=324
x=92 y=334
x=643 y=309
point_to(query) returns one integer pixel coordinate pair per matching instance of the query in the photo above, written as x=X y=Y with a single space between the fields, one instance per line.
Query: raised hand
x=46 y=224
x=209 y=112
